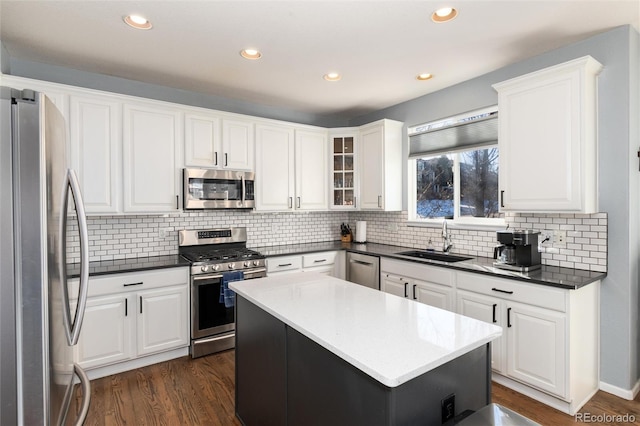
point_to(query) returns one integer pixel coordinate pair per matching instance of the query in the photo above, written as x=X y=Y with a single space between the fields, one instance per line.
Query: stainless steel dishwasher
x=363 y=270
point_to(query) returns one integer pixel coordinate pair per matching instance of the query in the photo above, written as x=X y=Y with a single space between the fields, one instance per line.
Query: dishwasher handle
x=360 y=262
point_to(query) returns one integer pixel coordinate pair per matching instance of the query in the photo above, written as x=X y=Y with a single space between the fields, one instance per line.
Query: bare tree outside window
x=435 y=185
x=479 y=183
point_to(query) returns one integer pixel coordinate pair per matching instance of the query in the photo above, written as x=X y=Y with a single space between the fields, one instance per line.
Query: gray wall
x=619 y=140
x=4 y=60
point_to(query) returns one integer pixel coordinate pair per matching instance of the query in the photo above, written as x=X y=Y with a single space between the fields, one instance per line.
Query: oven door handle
x=247 y=275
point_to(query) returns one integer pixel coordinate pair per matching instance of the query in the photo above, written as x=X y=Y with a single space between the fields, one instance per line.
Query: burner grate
x=222 y=255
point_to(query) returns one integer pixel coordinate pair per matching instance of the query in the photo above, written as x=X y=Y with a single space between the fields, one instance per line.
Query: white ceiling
x=378 y=46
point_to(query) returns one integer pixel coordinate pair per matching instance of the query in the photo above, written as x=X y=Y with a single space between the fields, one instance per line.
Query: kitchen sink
x=432 y=255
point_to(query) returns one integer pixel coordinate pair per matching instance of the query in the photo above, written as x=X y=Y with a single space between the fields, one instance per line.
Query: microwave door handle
x=243 y=190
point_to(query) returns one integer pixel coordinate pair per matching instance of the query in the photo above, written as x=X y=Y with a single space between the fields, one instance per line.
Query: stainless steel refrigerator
x=39 y=320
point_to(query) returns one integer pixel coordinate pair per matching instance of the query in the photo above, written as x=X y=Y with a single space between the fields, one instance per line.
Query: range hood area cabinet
x=547 y=139
x=366 y=167
x=217 y=142
x=291 y=168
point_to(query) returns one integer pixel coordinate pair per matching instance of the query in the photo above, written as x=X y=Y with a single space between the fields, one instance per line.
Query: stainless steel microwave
x=218 y=189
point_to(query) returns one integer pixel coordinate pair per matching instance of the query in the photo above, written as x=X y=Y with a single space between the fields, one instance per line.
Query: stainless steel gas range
x=217 y=257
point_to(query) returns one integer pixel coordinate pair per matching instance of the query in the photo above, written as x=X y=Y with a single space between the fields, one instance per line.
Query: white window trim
x=456 y=223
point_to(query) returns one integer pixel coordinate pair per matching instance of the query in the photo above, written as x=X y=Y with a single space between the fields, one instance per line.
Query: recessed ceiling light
x=444 y=14
x=250 y=54
x=332 y=76
x=424 y=76
x=138 y=22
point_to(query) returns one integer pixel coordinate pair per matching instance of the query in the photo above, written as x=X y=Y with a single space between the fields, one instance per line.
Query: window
x=457 y=185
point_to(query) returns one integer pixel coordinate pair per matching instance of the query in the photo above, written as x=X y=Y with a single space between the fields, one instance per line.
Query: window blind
x=467 y=134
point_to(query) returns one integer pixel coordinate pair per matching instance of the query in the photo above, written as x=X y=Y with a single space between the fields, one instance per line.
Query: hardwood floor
x=200 y=391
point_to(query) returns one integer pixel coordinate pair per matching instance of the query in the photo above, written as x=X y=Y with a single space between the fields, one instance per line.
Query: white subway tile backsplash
x=586 y=243
x=118 y=237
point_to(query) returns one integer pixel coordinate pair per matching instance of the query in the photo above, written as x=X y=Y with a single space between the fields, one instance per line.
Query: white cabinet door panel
x=487 y=309
x=312 y=170
x=536 y=340
x=237 y=145
x=371 y=168
x=107 y=331
x=274 y=168
x=152 y=141
x=95 y=127
x=162 y=319
x=393 y=284
x=202 y=140
x=432 y=294
x=547 y=139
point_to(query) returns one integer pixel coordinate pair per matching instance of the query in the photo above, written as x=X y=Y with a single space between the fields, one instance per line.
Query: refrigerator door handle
x=72 y=328
x=86 y=394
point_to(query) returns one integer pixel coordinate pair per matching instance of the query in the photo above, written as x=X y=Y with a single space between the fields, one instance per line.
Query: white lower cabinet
x=322 y=262
x=487 y=309
x=423 y=283
x=133 y=319
x=531 y=349
x=163 y=318
x=549 y=346
x=326 y=262
x=284 y=264
x=106 y=332
x=535 y=347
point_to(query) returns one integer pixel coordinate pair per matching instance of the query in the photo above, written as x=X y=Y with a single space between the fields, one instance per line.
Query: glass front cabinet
x=344 y=171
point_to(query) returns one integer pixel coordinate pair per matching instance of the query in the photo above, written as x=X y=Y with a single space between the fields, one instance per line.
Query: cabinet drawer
x=319 y=259
x=432 y=274
x=531 y=294
x=284 y=263
x=132 y=281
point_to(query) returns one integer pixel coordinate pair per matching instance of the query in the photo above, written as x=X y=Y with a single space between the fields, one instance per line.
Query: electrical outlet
x=392 y=227
x=448 y=408
x=560 y=238
x=163 y=232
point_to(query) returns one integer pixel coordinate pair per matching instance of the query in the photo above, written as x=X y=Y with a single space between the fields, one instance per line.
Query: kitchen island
x=312 y=349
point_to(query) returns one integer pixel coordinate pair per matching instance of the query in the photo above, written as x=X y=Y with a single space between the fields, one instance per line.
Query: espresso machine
x=517 y=251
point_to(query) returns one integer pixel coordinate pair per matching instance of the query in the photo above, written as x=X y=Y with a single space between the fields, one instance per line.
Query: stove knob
x=203 y=268
x=231 y=265
x=256 y=262
x=247 y=264
x=215 y=267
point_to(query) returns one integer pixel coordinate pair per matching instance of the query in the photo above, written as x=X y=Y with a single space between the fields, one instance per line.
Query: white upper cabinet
x=237 y=144
x=152 y=142
x=547 y=139
x=214 y=142
x=95 y=140
x=380 y=166
x=291 y=168
x=344 y=172
x=275 y=170
x=311 y=170
x=202 y=140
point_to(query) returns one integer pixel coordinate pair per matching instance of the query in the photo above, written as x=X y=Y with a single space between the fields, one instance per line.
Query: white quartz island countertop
x=387 y=337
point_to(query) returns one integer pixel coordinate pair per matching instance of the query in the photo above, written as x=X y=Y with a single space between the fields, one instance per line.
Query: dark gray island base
x=285 y=378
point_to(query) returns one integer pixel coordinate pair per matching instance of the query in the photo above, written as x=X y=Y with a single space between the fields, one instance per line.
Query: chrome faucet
x=446 y=243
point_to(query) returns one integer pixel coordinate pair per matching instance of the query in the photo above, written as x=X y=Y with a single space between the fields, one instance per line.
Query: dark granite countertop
x=554 y=276
x=135 y=264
